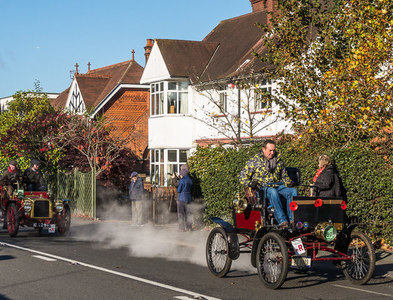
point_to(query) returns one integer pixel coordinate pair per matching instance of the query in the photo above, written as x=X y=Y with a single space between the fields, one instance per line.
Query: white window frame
x=159 y=94
x=164 y=167
x=266 y=87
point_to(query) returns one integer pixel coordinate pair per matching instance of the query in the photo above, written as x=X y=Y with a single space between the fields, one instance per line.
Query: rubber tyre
x=12 y=220
x=64 y=224
x=361 y=268
x=272 y=260
x=217 y=252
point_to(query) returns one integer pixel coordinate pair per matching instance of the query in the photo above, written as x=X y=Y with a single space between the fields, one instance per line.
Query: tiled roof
x=237 y=37
x=96 y=84
x=225 y=52
x=186 y=58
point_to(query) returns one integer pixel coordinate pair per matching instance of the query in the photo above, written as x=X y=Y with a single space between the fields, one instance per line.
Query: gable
x=155 y=69
x=75 y=102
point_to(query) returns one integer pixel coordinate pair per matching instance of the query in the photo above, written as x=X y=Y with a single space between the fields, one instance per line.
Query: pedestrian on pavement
x=184 y=200
x=136 y=197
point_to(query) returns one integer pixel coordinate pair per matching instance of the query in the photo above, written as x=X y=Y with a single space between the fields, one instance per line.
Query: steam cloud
x=151 y=240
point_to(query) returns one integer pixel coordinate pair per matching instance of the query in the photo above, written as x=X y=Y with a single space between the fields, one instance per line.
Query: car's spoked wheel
x=217 y=252
x=272 y=260
x=361 y=267
x=65 y=223
x=12 y=220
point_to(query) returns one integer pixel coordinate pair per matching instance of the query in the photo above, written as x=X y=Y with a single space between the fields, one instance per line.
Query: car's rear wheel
x=272 y=260
x=217 y=252
x=65 y=221
x=12 y=219
x=360 y=268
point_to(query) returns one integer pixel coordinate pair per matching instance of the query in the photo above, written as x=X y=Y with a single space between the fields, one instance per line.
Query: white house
x=5 y=100
x=195 y=98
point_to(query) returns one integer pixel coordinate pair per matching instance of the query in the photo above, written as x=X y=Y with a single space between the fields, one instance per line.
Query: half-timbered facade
x=115 y=92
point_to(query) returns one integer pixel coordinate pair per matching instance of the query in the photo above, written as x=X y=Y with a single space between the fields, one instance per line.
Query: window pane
x=152 y=155
x=172 y=86
x=161 y=155
x=172 y=168
x=172 y=105
x=152 y=102
x=161 y=105
x=183 y=85
x=183 y=103
x=172 y=155
x=183 y=156
x=161 y=87
x=152 y=88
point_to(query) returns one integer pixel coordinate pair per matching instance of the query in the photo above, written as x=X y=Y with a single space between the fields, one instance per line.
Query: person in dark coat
x=10 y=177
x=136 y=195
x=33 y=177
x=184 y=200
x=326 y=179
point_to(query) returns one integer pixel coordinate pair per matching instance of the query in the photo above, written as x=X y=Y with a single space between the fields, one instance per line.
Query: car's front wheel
x=12 y=219
x=64 y=224
x=272 y=260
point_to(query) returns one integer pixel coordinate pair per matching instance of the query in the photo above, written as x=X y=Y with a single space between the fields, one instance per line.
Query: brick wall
x=129 y=112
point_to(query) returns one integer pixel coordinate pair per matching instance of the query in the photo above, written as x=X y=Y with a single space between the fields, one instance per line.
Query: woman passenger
x=326 y=180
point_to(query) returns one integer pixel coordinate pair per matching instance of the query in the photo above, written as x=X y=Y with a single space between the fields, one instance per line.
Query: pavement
x=384 y=257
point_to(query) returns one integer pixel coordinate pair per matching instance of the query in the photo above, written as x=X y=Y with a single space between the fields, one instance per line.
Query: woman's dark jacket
x=184 y=189
x=328 y=183
x=136 y=190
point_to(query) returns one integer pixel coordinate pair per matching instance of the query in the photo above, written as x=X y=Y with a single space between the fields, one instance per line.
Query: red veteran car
x=34 y=209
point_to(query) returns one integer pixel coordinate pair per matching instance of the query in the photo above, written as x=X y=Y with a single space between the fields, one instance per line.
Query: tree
x=237 y=111
x=89 y=142
x=333 y=66
x=28 y=119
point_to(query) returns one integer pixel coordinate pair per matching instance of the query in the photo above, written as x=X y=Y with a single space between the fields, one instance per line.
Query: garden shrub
x=366 y=177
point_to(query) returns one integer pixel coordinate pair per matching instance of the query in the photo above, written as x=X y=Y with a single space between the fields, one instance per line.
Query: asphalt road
x=113 y=260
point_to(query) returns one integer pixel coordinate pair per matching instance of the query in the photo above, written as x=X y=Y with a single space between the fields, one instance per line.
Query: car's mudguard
x=233 y=240
x=258 y=235
x=344 y=237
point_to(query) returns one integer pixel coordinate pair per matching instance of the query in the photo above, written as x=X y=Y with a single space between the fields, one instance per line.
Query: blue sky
x=43 y=39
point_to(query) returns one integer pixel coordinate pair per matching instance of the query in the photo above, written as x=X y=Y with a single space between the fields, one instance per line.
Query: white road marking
x=44 y=258
x=361 y=290
x=74 y=262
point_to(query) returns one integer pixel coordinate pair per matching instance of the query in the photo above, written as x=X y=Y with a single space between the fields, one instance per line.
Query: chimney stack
x=133 y=55
x=88 y=67
x=148 y=47
x=263 y=5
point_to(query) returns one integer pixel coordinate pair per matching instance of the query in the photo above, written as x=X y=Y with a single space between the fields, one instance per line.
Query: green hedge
x=366 y=177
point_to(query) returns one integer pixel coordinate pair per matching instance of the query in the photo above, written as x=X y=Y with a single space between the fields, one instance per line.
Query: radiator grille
x=41 y=209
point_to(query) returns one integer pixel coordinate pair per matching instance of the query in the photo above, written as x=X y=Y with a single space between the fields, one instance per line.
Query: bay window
x=169 y=97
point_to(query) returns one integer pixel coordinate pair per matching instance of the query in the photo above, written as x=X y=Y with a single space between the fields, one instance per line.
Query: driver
x=267 y=167
x=33 y=177
x=11 y=175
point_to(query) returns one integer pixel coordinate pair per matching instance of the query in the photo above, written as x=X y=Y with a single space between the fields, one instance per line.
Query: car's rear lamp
x=343 y=205
x=318 y=202
x=293 y=206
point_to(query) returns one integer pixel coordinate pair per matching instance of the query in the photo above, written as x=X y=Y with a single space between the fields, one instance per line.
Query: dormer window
x=169 y=97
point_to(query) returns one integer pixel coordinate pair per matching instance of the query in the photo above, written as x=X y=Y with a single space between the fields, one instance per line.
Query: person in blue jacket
x=183 y=201
x=136 y=195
